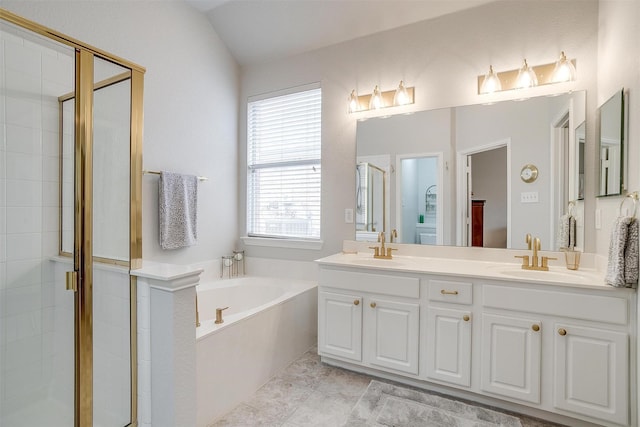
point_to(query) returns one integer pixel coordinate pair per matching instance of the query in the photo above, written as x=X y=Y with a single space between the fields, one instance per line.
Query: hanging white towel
x=622 y=268
x=178 y=210
x=564 y=226
x=572 y=233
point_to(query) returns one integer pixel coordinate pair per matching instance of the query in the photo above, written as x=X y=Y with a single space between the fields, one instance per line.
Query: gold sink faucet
x=540 y=264
x=381 y=251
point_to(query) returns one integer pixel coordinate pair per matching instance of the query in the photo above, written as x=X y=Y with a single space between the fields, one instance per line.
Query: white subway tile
x=18 y=58
x=3 y=284
x=25 y=298
x=60 y=70
x=21 y=192
x=51 y=169
x=24 y=220
x=50 y=194
x=23 y=353
x=3 y=185
x=50 y=117
x=48 y=303
x=50 y=218
x=23 y=273
x=3 y=250
x=50 y=244
x=23 y=140
x=3 y=220
x=24 y=246
x=23 y=112
x=23 y=325
x=23 y=83
x=22 y=166
x=50 y=143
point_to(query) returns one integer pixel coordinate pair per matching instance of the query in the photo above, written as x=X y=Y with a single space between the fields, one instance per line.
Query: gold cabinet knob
x=373 y=305
x=535 y=327
x=356 y=302
x=562 y=331
x=466 y=317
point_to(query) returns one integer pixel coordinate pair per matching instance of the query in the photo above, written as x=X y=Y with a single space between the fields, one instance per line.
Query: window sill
x=283 y=243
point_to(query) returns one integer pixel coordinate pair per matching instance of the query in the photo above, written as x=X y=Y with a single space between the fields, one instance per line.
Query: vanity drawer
x=384 y=284
x=598 y=308
x=448 y=291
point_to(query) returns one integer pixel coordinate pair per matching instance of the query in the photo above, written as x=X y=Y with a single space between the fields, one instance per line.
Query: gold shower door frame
x=83 y=212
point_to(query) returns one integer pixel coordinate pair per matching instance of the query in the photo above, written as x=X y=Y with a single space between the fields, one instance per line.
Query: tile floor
x=309 y=393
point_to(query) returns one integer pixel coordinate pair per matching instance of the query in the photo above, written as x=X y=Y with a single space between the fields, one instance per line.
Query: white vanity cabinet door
x=448 y=336
x=591 y=372
x=340 y=325
x=511 y=349
x=391 y=334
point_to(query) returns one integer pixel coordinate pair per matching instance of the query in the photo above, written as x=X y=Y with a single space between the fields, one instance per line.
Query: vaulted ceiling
x=258 y=31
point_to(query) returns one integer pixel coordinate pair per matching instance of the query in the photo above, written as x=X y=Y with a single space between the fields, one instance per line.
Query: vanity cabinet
x=340 y=325
x=559 y=349
x=591 y=372
x=511 y=357
x=391 y=331
x=448 y=336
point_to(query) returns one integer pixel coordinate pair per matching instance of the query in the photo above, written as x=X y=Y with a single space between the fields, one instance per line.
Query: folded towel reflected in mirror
x=177 y=210
x=567 y=232
x=622 y=268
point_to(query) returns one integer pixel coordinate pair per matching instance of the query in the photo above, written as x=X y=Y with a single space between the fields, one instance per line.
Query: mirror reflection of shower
x=420 y=200
x=370 y=199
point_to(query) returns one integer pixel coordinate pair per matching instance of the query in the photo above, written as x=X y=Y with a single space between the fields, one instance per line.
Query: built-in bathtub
x=269 y=323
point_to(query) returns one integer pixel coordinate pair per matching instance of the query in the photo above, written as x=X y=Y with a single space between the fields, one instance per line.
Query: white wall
x=442 y=59
x=618 y=65
x=190 y=104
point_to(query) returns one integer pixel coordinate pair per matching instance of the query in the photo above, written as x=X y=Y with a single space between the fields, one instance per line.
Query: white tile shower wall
x=29 y=218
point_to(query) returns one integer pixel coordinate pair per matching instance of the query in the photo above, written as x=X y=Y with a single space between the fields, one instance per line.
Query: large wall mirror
x=611 y=146
x=448 y=167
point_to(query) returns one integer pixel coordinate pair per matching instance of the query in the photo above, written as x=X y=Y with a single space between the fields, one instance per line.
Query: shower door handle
x=72 y=281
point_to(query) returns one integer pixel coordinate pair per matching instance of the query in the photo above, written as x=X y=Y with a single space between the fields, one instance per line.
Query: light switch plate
x=348 y=216
x=529 y=197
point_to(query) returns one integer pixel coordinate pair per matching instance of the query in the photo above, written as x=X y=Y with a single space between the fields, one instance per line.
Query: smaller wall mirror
x=580 y=139
x=611 y=146
x=371 y=194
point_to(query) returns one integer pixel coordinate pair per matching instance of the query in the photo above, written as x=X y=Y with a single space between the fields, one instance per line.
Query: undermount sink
x=378 y=262
x=552 y=275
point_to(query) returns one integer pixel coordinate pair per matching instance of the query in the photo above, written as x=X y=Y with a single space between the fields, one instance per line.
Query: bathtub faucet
x=219 y=315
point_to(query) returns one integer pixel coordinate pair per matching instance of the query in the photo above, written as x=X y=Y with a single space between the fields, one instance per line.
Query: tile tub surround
x=310 y=393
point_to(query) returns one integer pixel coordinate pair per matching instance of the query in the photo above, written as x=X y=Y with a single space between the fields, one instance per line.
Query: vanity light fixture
x=491 y=82
x=527 y=76
x=378 y=99
x=564 y=70
x=354 y=103
x=401 y=97
x=376 y=102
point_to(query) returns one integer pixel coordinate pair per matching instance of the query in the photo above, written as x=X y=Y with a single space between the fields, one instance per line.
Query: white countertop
x=503 y=271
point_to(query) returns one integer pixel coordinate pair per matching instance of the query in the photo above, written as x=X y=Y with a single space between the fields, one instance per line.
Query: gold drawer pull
x=356 y=302
x=562 y=331
x=535 y=327
x=445 y=292
x=466 y=317
x=373 y=305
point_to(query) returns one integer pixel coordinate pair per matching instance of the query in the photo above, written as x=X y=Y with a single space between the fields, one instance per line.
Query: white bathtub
x=269 y=323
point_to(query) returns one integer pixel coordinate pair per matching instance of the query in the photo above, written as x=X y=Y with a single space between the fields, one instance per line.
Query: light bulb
x=564 y=70
x=491 y=82
x=526 y=77
x=376 y=101
x=401 y=96
x=354 y=104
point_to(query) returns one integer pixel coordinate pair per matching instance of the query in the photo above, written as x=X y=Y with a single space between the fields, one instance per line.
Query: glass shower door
x=36 y=312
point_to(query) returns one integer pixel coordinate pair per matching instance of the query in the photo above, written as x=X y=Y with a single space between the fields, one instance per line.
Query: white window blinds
x=283 y=166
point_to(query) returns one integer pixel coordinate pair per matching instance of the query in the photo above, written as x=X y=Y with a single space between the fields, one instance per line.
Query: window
x=283 y=166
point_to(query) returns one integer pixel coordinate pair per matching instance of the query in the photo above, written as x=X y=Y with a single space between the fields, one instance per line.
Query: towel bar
x=633 y=196
x=200 y=178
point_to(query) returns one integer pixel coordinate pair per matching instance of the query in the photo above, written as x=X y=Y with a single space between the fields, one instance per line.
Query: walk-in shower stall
x=70 y=170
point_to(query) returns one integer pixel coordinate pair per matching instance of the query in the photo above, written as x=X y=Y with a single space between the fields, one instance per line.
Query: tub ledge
x=166 y=344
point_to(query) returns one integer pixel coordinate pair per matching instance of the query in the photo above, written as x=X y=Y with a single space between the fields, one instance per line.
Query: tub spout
x=219 y=315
